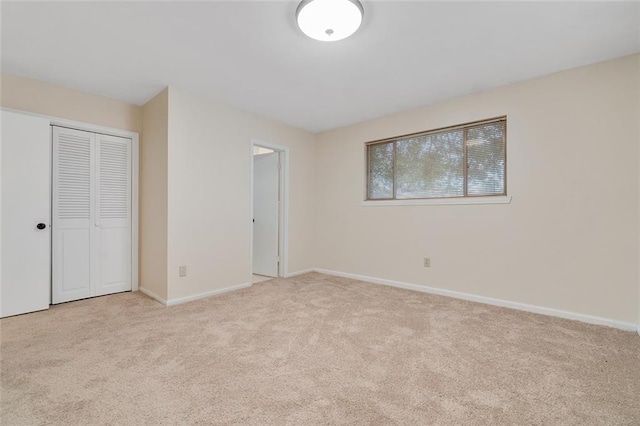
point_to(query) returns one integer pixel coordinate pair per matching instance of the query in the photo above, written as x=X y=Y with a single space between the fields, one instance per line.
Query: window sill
x=438 y=201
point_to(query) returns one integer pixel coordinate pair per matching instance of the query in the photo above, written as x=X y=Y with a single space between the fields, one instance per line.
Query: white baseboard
x=296 y=273
x=180 y=300
x=628 y=326
x=152 y=295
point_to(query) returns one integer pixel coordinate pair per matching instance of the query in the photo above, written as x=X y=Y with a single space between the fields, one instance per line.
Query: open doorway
x=269 y=168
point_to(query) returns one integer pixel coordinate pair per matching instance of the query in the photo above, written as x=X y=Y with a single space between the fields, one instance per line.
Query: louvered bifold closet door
x=73 y=197
x=113 y=214
x=91 y=214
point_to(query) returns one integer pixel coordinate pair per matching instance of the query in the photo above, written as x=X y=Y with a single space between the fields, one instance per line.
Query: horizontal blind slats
x=381 y=171
x=485 y=159
x=432 y=164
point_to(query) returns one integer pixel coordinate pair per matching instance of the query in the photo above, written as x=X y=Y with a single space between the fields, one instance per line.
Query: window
x=460 y=161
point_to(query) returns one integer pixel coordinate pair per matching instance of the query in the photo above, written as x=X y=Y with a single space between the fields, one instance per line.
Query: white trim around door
x=283 y=228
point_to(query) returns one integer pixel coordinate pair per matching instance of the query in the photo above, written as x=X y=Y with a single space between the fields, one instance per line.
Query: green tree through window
x=466 y=160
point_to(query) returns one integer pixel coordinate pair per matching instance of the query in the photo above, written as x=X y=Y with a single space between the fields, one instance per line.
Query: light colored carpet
x=310 y=350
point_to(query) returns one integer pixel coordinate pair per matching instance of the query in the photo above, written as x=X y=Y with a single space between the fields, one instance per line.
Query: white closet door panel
x=92 y=214
x=265 y=213
x=73 y=270
x=73 y=198
x=115 y=261
x=113 y=214
x=26 y=180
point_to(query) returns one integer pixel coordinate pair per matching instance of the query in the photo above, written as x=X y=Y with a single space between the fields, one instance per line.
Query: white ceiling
x=251 y=54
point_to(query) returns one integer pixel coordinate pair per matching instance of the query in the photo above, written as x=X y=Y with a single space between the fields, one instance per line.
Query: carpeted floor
x=311 y=350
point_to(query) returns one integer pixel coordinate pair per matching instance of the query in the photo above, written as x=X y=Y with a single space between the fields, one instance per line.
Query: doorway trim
x=283 y=216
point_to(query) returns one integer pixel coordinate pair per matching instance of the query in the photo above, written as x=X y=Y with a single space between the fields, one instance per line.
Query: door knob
x=41 y=226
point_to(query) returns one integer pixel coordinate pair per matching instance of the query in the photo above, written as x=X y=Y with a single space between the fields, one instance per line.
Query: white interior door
x=73 y=215
x=113 y=215
x=26 y=184
x=266 y=188
x=91 y=214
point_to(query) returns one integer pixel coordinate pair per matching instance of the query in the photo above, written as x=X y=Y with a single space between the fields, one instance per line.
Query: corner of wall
x=153 y=197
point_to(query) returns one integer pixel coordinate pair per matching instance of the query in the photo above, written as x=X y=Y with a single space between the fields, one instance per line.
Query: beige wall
x=153 y=195
x=209 y=193
x=38 y=97
x=569 y=238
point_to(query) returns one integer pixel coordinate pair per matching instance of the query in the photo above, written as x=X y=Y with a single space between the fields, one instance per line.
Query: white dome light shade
x=329 y=20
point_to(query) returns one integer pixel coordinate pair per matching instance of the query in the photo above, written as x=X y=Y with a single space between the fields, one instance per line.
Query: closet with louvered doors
x=91 y=246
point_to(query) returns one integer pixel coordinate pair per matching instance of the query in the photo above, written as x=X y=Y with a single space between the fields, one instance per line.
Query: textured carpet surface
x=311 y=350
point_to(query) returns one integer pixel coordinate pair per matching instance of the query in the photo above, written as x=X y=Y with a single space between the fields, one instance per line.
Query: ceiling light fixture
x=329 y=20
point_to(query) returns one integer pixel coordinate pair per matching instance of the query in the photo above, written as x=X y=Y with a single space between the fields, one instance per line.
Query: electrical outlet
x=427 y=262
x=182 y=271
